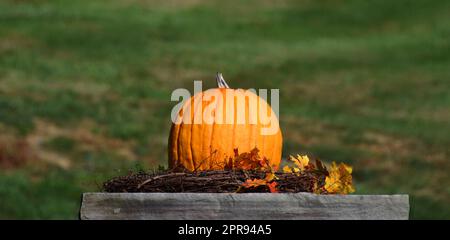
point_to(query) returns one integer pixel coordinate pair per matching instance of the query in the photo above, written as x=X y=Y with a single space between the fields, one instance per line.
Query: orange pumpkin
x=208 y=144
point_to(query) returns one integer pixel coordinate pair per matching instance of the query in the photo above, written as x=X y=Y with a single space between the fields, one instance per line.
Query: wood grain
x=248 y=206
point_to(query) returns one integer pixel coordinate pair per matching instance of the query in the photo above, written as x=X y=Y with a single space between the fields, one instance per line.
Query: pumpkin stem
x=220 y=81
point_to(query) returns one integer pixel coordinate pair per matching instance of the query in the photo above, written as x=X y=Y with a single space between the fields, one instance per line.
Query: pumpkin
x=232 y=126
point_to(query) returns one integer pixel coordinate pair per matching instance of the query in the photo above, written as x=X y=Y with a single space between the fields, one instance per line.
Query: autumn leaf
x=249 y=183
x=335 y=180
x=270 y=176
x=339 y=179
x=274 y=168
x=248 y=160
x=287 y=169
x=301 y=162
x=272 y=187
x=264 y=165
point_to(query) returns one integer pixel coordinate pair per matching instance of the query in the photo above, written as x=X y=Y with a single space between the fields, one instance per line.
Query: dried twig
x=158 y=177
x=208 y=181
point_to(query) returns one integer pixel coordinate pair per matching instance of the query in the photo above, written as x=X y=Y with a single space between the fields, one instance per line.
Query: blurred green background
x=85 y=89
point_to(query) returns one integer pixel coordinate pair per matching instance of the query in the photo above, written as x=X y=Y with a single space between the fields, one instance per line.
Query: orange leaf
x=248 y=160
x=249 y=183
x=287 y=169
x=272 y=187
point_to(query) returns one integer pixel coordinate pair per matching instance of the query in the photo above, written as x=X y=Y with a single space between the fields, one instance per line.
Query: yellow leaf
x=287 y=169
x=347 y=168
x=300 y=161
x=339 y=179
x=270 y=176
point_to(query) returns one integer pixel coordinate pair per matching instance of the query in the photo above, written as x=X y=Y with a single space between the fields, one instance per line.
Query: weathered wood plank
x=247 y=206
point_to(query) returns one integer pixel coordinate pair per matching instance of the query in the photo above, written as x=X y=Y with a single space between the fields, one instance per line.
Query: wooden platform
x=247 y=206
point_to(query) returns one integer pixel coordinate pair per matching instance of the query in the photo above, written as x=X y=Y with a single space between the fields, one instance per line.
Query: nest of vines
x=245 y=172
x=223 y=181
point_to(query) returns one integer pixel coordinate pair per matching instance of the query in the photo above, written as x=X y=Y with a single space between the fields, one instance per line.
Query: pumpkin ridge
x=265 y=140
x=173 y=148
x=207 y=136
x=178 y=145
x=186 y=155
x=233 y=145
x=177 y=139
x=211 y=151
x=247 y=125
x=197 y=101
x=201 y=127
x=254 y=137
x=229 y=128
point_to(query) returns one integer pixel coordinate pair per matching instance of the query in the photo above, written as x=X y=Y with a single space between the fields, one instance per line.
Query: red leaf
x=272 y=187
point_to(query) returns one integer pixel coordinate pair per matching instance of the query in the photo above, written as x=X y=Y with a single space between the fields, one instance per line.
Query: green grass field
x=85 y=89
